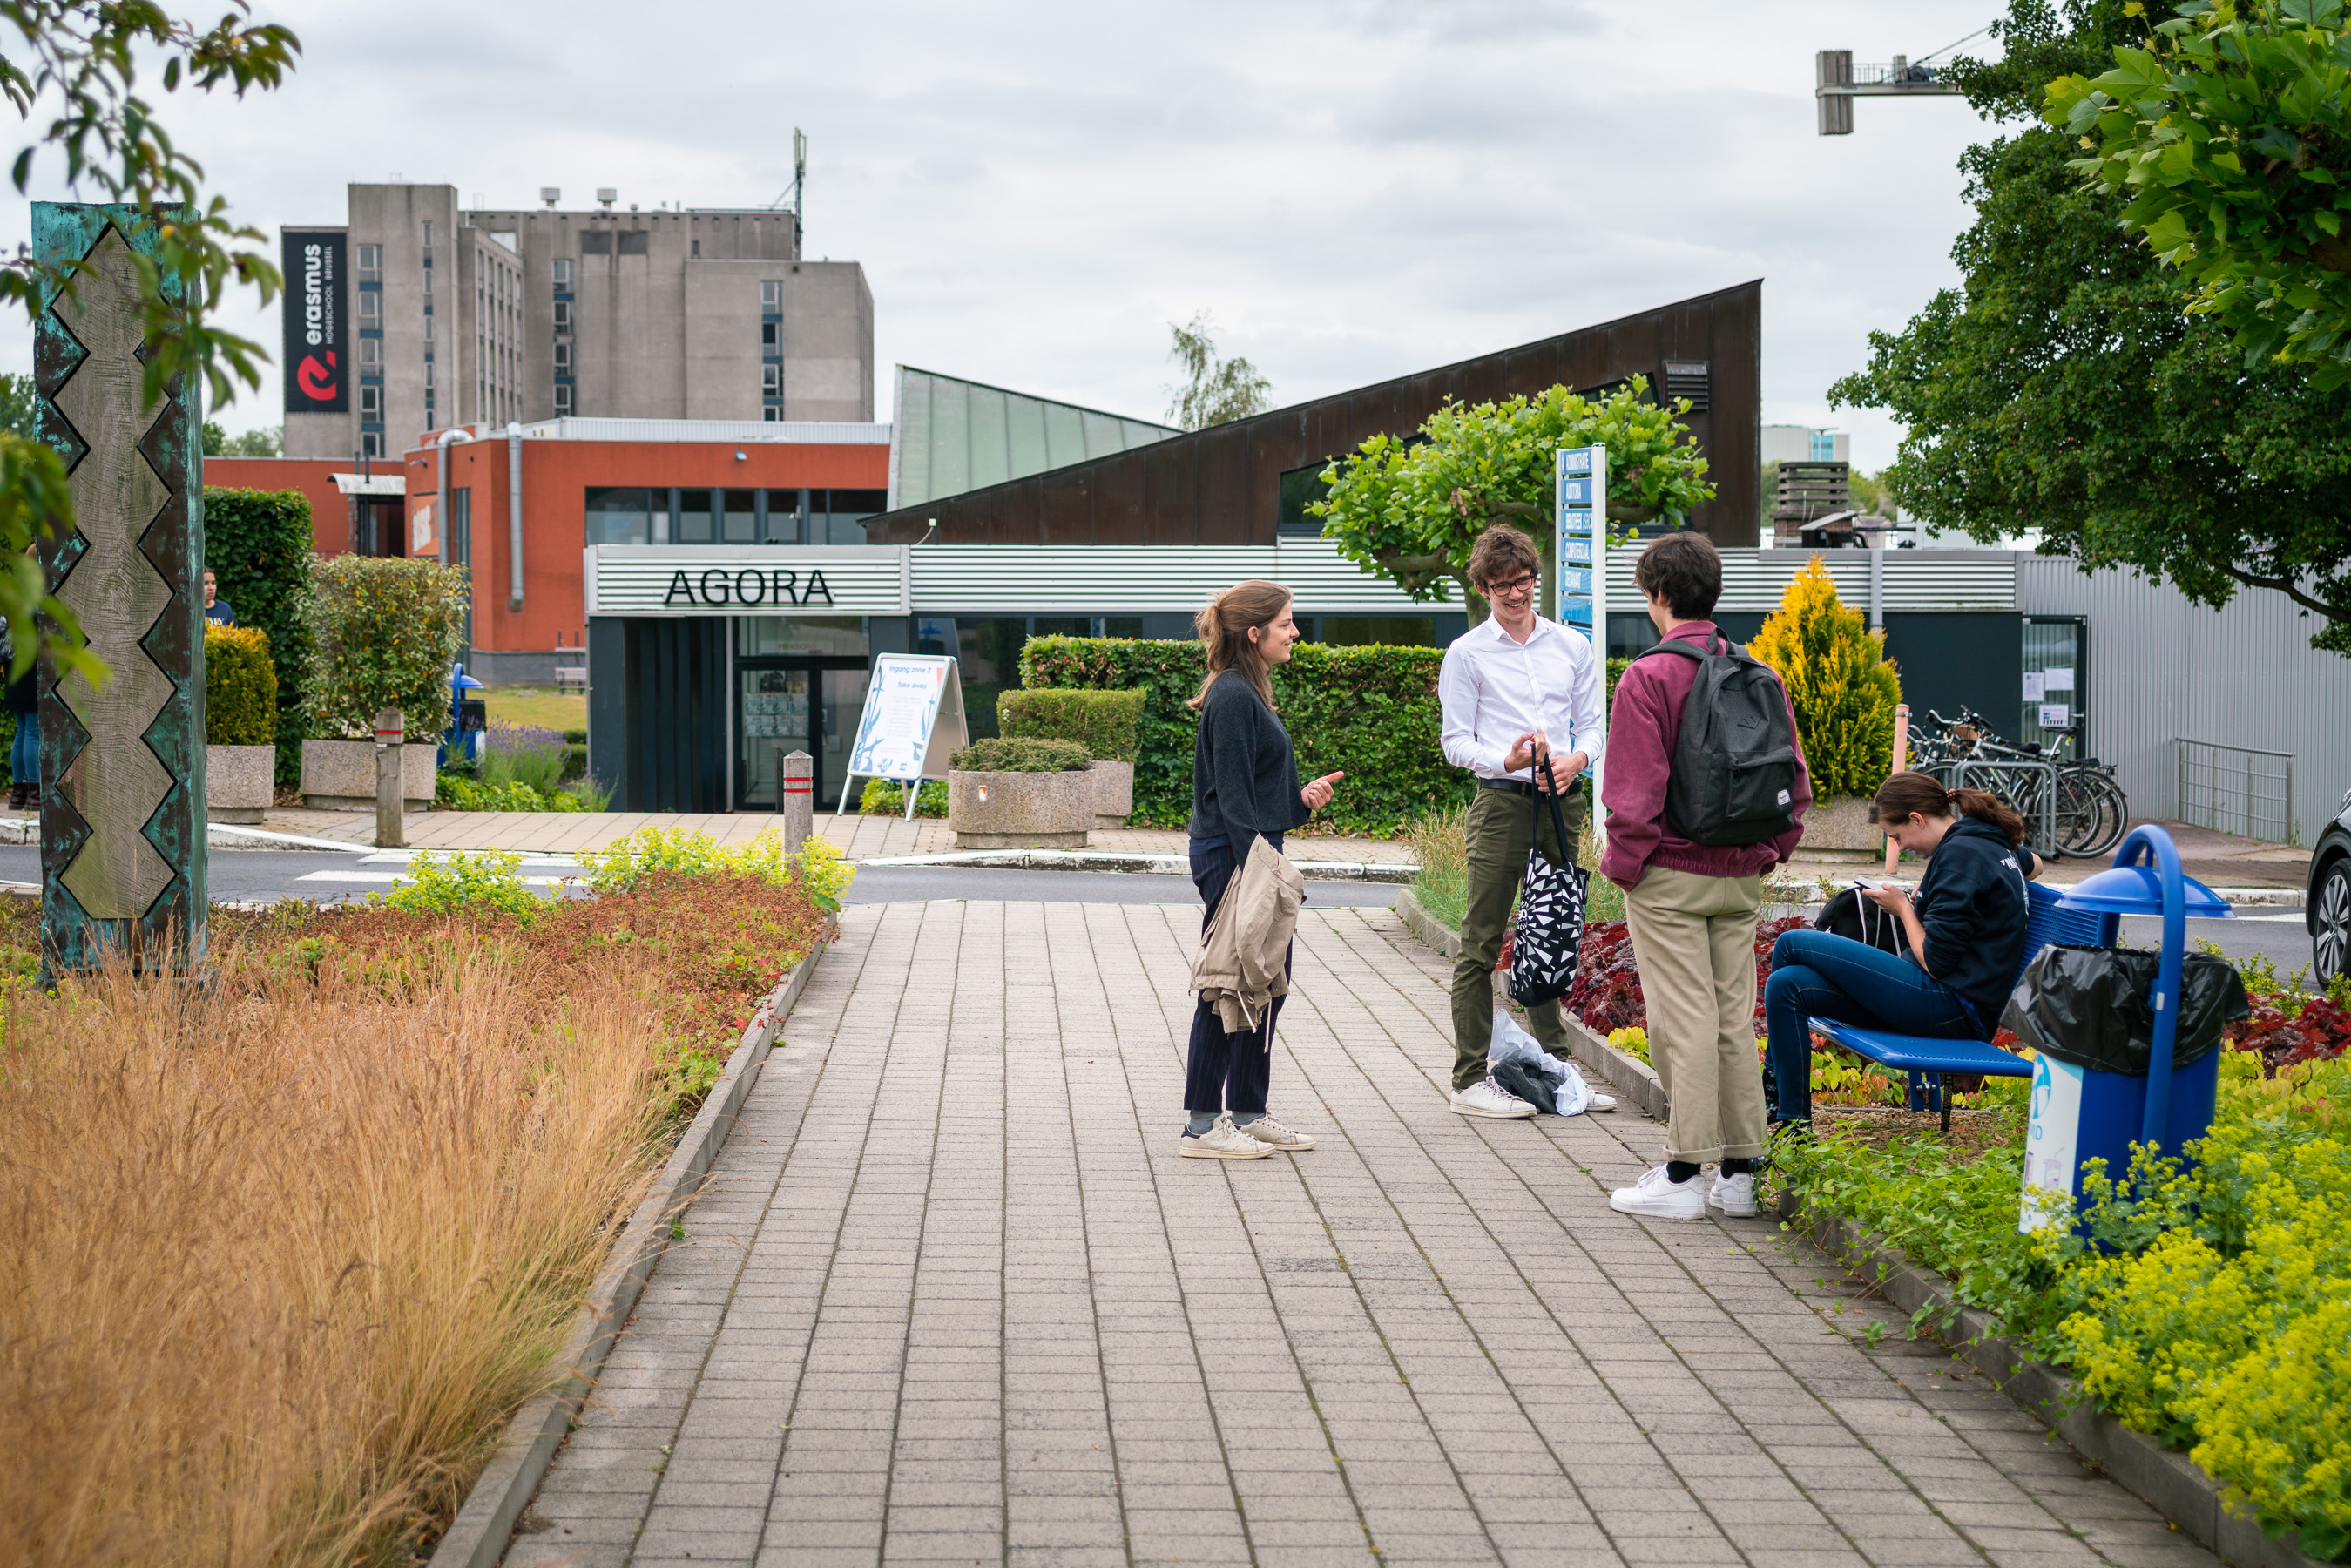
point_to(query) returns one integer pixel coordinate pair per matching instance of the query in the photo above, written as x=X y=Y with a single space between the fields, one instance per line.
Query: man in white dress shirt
x=1513 y=687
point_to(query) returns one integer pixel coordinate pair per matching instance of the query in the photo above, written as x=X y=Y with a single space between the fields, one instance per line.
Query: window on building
x=837 y=516
x=562 y=400
x=742 y=518
x=771 y=381
x=635 y=241
x=428 y=326
x=783 y=514
x=771 y=414
x=428 y=278
x=372 y=405
x=563 y=314
x=1298 y=486
x=428 y=234
x=562 y=272
x=370 y=444
x=624 y=515
x=428 y=375
x=771 y=335
x=562 y=358
x=371 y=311
x=370 y=264
x=694 y=517
x=1823 y=447
x=771 y=294
x=596 y=242
x=370 y=352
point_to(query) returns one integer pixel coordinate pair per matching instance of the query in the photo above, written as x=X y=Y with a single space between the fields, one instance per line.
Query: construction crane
x=1839 y=81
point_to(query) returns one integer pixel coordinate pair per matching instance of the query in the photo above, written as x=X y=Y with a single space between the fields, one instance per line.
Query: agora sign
x=751 y=585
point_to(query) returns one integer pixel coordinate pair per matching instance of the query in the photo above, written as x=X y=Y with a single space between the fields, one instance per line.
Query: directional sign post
x=1581 y=536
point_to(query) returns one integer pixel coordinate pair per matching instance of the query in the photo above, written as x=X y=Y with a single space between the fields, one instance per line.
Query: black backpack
x=1734 y=777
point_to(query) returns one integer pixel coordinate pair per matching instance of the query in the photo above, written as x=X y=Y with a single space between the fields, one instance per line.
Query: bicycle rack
x=2033 y=789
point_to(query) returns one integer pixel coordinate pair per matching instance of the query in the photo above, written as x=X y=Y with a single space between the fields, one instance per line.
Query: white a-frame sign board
x=1581 y=537
x=912 y=725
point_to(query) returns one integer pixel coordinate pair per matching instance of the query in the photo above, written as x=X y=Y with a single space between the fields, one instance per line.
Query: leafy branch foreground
x=2210 y=1306
x=279 y=1257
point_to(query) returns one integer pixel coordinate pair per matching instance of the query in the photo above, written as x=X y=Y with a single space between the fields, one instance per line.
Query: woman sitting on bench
x=1962 y=938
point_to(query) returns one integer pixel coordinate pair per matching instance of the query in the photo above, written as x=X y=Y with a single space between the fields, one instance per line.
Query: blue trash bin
x=2081 y=1113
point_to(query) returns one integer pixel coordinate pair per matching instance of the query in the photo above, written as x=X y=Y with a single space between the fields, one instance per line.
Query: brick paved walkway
x=956 y=1300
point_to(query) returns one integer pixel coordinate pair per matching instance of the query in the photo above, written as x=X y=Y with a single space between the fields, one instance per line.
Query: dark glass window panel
x=635 y=241
x=846 y=511
x=1062 y=626
x=1121 y=625
x=784 y=516
x=596 y=242
x=742 y=518
x=694 y=517
x=1299 y=487
x=771 y=334
x=621 y=515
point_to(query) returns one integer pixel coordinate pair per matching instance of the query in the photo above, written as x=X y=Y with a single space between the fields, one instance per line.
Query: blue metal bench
x=1926 y=1060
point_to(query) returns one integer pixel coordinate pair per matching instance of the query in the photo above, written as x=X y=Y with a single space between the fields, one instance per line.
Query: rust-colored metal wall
x=1222 y=485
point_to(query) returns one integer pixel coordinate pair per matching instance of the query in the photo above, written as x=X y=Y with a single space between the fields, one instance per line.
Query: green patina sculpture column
x=122 y=810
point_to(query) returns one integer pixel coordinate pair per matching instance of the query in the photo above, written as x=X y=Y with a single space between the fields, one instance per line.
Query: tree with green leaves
x=265 y=441
x=2227 y=129
x=1410 y=509
x=1215 y=390
x=72 y=69
x=20 y=408
x=2063 y=388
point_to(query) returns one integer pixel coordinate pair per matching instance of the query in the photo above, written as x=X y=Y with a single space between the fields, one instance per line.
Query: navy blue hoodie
x=1972 y=904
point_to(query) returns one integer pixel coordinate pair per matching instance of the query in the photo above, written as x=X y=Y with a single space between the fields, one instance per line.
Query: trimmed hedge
x=257 y=546
x=240 y=686
x=1369 y=712
x=384 y=633
x=1026 y=755
x=1102 y=722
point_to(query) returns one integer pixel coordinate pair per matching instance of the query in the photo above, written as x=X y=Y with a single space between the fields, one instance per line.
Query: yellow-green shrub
x=1840 y=683
x=240 y=687
x=621 y=864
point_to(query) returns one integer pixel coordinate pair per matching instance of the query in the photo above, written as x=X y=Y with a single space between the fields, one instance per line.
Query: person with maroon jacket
x=1692 y=907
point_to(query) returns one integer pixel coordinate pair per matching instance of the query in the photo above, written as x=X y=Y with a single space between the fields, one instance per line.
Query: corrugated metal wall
x=2161 y=668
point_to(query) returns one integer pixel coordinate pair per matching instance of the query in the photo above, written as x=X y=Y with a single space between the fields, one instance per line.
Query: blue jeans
x=1817 y=974
x=1222 y=1071
x=25 y=755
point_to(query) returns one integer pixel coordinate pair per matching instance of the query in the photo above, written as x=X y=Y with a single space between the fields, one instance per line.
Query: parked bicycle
x=2074 y=804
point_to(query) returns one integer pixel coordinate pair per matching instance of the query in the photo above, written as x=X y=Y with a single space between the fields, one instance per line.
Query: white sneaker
x=1269 y=1131
x=1659 y=1198
x=1734 y=1195
x=1601 y=1102
x=1487 y=1098
x=1224 y=1141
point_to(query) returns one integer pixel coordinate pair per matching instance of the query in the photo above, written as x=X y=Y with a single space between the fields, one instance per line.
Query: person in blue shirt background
x=216 y=609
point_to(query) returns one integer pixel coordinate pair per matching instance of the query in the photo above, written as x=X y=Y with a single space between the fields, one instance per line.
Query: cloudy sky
x=1355 y=189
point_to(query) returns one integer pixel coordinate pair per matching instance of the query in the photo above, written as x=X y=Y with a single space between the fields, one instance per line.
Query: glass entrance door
x=794 y=704
x=2055 y=651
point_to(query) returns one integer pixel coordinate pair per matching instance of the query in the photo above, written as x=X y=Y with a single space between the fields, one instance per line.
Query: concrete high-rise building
x=451 y=315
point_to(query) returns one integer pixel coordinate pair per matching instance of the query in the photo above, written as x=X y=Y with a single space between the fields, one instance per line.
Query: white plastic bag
x=1512 y=1043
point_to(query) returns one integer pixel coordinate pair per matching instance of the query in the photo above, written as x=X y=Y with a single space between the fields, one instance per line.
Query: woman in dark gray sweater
x=1244 y=785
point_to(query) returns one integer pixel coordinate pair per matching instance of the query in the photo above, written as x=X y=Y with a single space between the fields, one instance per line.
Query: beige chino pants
x=1694 y=938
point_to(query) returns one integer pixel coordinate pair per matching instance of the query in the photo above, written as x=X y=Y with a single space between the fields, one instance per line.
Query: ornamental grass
x=282 y=1254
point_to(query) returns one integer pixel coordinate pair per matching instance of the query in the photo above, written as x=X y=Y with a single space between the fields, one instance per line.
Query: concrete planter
x=1839 y=828
x=340 y=775
x=239 y=781
x=1022 y=810
x=1113 y=792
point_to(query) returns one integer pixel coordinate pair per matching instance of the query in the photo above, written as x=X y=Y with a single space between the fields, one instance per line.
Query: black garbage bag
x=2091 y=1007
x=1537 y=1086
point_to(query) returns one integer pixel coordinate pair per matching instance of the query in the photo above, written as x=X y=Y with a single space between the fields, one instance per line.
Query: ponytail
x=1911 y=792
x=1225 y=625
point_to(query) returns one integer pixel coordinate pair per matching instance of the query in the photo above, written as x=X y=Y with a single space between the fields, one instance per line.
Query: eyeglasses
x=1513 y=589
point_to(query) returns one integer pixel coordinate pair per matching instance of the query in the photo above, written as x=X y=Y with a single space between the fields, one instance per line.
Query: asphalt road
x=328 y=875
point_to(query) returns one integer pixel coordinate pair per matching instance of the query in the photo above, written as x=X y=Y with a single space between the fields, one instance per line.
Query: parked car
x=2326 y=909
